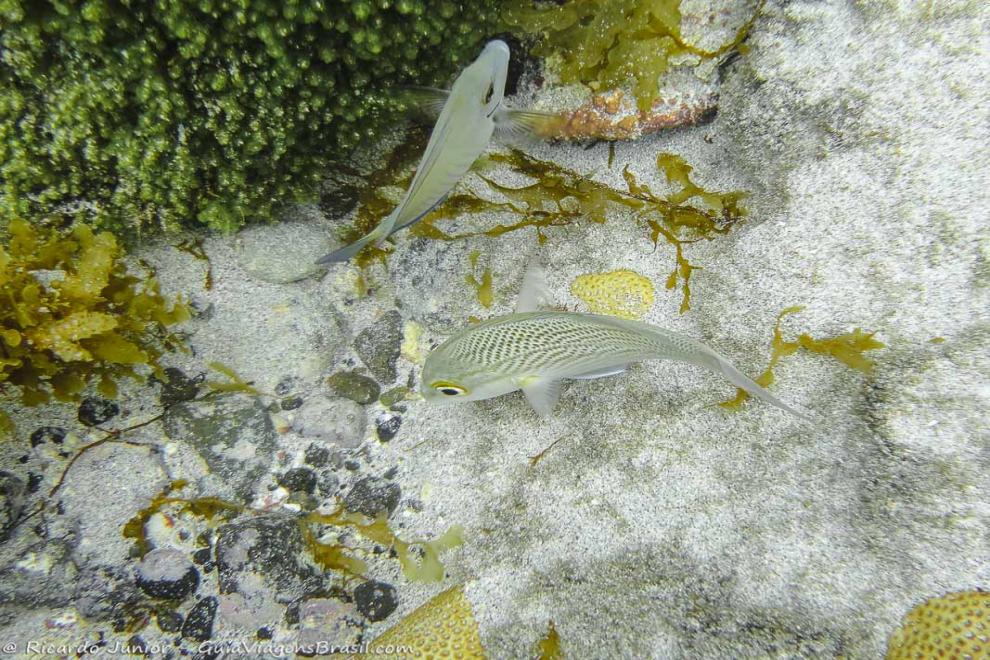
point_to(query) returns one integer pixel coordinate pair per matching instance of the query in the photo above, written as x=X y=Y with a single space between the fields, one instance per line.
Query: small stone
x=352 y=465
x=375 y=600
x=291 y=402
x=387 y=426
x=378 y=346
x=354 y=386
x=11 y=501
x=316 y=455
x=178 y=387
x=336 y=420
x=285 y=385
x=394 y=396
x=371 y=496
x=137 y=646
x=169 y=621
x=166 y=573
x=298 y=480
x=96 y=410
x=198 y=625
x=204 y=557
x=43 y=434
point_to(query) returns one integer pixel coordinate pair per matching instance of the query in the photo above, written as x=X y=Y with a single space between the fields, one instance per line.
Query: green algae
x=73 y=314
x=482 y=284
x=548 y=648
x=606 y=44
x=234 y=382
x=847 y=348
x=419 y=559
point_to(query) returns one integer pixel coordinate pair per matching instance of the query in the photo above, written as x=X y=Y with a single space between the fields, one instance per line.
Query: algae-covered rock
x=354 y=386
x=262 y=554
x=233 y=435
x=378 y=345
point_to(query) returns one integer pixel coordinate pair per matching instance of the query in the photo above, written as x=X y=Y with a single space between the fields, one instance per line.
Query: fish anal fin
x=601 y=373
x=541 y=393
x=534 y=292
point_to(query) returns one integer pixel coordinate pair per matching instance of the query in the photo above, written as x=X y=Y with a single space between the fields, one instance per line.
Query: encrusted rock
x=387 y=426
x=378 y=345
x=372 y=496
x=177 y=387
x=43 y=434
x=298 y=480
x=263 y=551
x=354 y=386
x=375 y=600
x=338 y=420
x=233 y=435
x=198 y=625
x=168 y=574
x=96 y=410
x=11 y=501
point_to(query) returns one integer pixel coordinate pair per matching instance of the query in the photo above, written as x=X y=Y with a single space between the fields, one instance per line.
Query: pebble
x=166 y=573
x=178 y=387
x=387 y=426
x=43 y=434
x=96 y=410
x=378 y=346
x=298 y=480
x=198 y=625
x=316 y=455
x=371 y=496
x=375 y=600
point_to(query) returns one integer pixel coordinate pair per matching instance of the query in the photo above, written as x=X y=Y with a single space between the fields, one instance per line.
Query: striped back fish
x=461 y=134
x=535 y=351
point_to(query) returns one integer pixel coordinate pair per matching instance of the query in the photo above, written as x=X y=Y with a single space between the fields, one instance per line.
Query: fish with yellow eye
x=535 y=351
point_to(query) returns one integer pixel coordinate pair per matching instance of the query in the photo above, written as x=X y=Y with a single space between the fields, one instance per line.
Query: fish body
x=461 y=134
x=535 y=351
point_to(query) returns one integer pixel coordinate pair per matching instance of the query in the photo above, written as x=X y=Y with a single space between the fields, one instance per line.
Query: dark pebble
x=169 y=621
x=199 y=623
x=291 y=402
x=391 y=472
x=177 y=589
x=137 y=646
x=375 y=600
x=45 y=434
x=204 y=557
x=284 y=386
x=178 y=387
x=34 y=482
x=387 y=427
x=264 y=633
x=316 y=455
x=352 y=465
x=96 y=410
x=371 y=496
x=329 y=484
x=298 y=480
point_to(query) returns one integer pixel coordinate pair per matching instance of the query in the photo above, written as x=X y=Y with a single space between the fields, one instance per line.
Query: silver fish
x=461 y=134
x=534 y=351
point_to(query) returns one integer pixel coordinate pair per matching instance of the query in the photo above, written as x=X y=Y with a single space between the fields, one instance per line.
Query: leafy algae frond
x=605 y=44
x=72 y=314
x=548 y=648
x=847 y=348
x=482 y=284
x=622 y=293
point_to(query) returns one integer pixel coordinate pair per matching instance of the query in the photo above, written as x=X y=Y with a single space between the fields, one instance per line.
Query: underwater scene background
x=214 y=446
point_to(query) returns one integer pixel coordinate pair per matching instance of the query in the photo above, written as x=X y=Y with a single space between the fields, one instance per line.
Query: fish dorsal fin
x=425 y=103
x=531 y=123
x=542 y=394
x=534 y=292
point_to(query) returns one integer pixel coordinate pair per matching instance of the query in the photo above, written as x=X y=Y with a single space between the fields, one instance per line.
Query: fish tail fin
x=377 y=235
x=741 y=380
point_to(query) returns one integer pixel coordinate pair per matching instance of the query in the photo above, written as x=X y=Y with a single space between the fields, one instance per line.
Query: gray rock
x=378 y=346
x=134 y=475
x=298 y=480
x=354 y=386
x=375 y=600
x=282 y=252
x=234 y=435
x=38 y=575
x=198 y=625
x=264 y=553
x=372 y=496
x=340 y=421
x=168 y=574
x=316 y=455
x=11 y=501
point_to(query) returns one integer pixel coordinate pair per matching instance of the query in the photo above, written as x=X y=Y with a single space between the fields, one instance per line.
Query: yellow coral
x=443 y=627
x=622 y=293
x=956 y=625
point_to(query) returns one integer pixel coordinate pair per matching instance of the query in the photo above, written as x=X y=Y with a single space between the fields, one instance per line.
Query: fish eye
x=488 y=95
x=449 y=389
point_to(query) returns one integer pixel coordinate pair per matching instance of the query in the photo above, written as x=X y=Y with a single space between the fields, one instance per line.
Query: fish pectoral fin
x=534 y=292
x=425 y=103
x=601 y=373
x=532 y=123
x=541 y=393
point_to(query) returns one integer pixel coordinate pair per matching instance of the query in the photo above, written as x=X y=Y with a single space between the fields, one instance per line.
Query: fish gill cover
x=149 y=115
